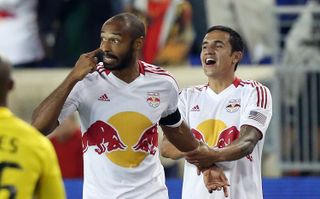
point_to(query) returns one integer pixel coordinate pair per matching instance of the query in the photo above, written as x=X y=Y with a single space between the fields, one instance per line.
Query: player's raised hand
x=86 y=64
x=215 y=180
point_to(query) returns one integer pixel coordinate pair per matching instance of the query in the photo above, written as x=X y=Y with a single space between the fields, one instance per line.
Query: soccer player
x=120 y=101
x=229 y=114
x=28 y=164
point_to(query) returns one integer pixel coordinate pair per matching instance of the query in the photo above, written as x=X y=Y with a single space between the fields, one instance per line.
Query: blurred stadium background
x=290 y=67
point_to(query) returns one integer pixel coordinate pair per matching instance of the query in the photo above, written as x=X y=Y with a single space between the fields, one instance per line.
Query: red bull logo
x=103 y=136
x=209 y=130
x=148 y=142
x=227 y=136
x=153 y=99
x=233 y=105
x=197 y=135
x=126 y=139
x=216 y=133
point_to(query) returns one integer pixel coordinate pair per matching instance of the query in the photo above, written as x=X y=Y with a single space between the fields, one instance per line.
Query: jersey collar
x=107 y=72
x=236 y=82
x=5 y=112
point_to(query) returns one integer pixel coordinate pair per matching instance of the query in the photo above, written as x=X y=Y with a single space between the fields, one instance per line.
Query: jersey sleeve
x=258 y=110
x=182 y=104
x=50 y=183
x=172 y=112
x=71 y=104
x=226 y=165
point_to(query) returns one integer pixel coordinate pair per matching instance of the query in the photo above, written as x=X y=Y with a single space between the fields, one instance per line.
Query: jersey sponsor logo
x=233 y=105
x=195 y=108
x=153 y=99
x=210 y=129
x=126 y=139
x=197 y=134
x=148 y=141
x=103 y=136
x=227 y=136
x=104 y=97
x=216 y=133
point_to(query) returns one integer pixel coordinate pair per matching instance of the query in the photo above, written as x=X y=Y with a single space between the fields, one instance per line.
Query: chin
x=110 y=67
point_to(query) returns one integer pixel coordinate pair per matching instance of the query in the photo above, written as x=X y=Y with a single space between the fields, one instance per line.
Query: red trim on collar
x=236 y=82
x=141 y=68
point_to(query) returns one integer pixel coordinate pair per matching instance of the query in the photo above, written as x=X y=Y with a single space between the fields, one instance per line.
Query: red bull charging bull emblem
x=148 y=141
x=197 y=135
x=103 y=136
x=153 y=99
x=227 y=136
x=126 y=139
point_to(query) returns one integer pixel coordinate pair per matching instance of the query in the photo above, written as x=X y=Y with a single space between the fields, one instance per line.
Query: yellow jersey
x=28 y=163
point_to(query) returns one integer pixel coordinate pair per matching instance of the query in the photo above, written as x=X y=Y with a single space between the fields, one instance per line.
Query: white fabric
x=20 y=41
x=130 y=110
x=211 y=114
x=255 y=21
x=298 y=54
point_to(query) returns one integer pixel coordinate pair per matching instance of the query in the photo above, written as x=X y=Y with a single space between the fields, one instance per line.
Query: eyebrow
x=215 y=42
x=113 y=33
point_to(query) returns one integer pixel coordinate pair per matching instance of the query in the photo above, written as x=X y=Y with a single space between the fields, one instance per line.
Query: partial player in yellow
x=28 y=163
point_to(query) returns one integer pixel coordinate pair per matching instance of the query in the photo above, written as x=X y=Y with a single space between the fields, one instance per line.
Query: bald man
x=28 y=163
x=120 y=101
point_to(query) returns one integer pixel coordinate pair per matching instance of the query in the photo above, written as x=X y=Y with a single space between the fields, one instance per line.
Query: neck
x=128 y=74
x=3 y=102
x=218 y=84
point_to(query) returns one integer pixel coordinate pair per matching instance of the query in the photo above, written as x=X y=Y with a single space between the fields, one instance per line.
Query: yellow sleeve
x=50 y=183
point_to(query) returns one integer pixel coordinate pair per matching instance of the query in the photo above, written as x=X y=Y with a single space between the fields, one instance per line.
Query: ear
x=10 y=85
x=237 y=56
x=138 y=43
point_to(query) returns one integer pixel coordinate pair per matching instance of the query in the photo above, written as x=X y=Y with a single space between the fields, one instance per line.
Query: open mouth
x=210 y=61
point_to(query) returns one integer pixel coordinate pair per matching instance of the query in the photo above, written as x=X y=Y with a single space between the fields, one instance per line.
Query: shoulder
x=31 y=134
x=91 y=78
x=197 y=89
x=253 y=85
x=259 y=93
x=88 y=81
x=193 y=91
x=157 y=72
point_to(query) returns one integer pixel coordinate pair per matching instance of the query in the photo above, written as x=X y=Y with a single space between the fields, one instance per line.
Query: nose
x=210 y=50
x=104 y=46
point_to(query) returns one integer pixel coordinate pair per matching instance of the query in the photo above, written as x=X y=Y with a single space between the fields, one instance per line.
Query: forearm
x=45 y=116
x=168 y=150
x=181 y=137
x=243 y=146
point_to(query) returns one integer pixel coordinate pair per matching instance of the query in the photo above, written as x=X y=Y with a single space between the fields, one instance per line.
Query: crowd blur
x=67 y=142
x=54 y=33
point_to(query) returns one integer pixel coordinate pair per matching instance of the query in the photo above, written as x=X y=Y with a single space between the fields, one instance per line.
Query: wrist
x=217 y=154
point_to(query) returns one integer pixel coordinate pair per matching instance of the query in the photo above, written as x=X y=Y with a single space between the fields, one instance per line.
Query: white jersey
x=20 y=40
x=216 y=119
x=119 y=132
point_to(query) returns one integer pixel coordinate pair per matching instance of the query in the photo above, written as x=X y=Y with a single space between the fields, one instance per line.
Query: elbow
x=249 y=147
x=44 y=129
x=167 y=152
